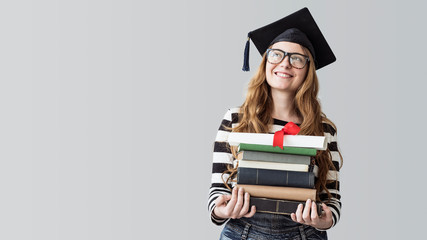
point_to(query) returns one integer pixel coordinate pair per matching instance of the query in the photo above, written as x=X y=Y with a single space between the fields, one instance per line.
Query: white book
x=303 y=141
x=274 y=166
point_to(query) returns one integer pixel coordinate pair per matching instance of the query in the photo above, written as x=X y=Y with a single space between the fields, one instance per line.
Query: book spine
x=301 y=141
x=274 y=165
x=279 y=206
x=257 y=176
x=269 y=148
x=275 y=157
x=285 y=193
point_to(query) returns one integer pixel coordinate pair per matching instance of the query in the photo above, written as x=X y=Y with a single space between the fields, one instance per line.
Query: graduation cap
x=299 y=27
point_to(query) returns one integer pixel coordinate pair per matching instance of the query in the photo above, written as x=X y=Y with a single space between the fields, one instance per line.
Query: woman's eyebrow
x=290 y=51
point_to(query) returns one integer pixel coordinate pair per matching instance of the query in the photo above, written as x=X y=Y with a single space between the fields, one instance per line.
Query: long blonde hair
x=255 y=116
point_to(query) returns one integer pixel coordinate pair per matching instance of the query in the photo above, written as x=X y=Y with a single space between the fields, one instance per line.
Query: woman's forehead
x=288 y=47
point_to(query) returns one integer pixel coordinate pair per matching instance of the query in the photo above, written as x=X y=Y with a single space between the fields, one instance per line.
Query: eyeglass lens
x=296 y=60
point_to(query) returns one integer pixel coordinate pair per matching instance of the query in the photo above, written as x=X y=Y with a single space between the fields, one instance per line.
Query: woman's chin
x=282 y=88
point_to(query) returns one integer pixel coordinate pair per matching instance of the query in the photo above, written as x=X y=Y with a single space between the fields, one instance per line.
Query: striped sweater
x=223 y=157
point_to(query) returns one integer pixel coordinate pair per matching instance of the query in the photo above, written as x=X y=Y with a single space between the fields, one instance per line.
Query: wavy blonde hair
x=255 y=117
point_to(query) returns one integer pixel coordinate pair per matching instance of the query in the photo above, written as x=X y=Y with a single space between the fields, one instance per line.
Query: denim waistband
x=270 y=223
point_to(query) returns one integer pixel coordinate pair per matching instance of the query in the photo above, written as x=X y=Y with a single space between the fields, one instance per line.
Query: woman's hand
x=236 y=207
x=309 y=215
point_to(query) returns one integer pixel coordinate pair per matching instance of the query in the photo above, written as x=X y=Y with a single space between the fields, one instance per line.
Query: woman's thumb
x=223 y=199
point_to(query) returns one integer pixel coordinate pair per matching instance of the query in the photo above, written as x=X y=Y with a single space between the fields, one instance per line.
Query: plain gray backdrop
x=109 y=110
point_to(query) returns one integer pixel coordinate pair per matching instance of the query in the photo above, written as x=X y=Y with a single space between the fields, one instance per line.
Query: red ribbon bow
x=289 y=129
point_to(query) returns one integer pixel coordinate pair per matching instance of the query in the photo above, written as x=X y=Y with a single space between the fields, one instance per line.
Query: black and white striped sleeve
x=222 y=158
x=333 y=183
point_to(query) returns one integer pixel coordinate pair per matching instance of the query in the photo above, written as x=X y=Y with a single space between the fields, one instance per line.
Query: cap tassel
x=246 y=56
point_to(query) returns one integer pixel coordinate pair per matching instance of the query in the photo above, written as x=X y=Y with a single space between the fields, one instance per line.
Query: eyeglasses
x=276 y=56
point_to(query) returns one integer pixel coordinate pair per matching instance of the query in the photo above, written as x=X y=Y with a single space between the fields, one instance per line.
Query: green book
x=268 y=148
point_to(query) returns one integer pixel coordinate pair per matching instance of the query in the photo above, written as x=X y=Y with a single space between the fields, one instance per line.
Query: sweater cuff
x=333 y=223
x=217 y=220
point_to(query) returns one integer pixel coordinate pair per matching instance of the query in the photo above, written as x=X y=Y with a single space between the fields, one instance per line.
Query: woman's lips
x=283 y=74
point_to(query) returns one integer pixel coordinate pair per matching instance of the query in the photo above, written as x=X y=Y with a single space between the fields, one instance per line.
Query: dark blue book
x=257 y=176
x=279 y=206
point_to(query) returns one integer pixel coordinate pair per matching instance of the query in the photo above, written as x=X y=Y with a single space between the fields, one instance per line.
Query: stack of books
x=278 y=180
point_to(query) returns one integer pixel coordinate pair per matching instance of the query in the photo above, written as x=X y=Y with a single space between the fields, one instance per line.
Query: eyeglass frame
x=289 y=57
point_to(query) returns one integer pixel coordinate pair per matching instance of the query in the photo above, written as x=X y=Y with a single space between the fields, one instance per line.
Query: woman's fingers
x=246 y=205
x=251 y=213
x=298 y=213
x=294 y=217
x=308 y=215
x=306 y=212
x=232 y=202
x=239 y=204
x=314 y=216
x=235 y=205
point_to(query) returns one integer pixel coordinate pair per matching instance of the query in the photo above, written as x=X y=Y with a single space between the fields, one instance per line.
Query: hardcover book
x=274 y=166
x=317 y=142
x=279 y=206
x=285 y=193
x=271 y=149
x=273 y=157
x=256 y=176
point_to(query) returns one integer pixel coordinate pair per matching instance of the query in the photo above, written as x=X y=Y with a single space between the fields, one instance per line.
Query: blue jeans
x=265 y=226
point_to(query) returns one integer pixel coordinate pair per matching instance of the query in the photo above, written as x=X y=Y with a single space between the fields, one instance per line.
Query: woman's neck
x=283 y=106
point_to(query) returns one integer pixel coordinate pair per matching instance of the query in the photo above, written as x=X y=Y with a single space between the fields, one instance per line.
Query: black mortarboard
x=299 y=27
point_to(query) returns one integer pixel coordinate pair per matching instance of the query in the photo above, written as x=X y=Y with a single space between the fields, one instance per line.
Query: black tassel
x=246 y=56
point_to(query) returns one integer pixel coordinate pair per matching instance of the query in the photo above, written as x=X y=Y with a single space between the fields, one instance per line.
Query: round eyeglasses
x=276 y=56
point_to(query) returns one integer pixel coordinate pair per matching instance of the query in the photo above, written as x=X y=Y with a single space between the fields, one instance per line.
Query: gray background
x=109 y=110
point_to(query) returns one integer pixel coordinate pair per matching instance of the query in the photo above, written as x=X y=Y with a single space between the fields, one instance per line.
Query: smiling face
x=283 y=76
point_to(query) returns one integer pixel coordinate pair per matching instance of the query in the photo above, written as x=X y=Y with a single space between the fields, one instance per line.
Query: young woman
x=283 y=90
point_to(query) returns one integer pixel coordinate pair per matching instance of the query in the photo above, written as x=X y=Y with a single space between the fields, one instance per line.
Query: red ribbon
x=289 y=129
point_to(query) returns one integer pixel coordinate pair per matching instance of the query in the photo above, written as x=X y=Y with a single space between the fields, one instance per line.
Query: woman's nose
x=285 y=62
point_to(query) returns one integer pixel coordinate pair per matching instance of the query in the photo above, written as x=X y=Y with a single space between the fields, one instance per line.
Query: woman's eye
x=297 y=58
